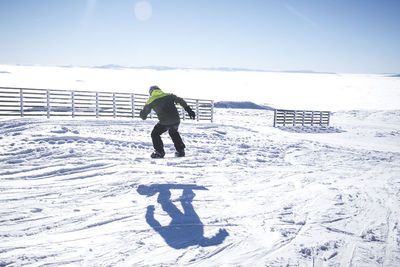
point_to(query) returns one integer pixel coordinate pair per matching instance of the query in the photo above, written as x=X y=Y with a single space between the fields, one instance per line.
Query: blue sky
x=356 y=36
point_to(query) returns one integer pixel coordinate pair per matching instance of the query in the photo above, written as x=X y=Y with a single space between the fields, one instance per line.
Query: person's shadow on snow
x=185 y=229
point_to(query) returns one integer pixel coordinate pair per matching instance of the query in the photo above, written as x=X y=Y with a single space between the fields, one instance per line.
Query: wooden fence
x=24 y=102
x=284 y=117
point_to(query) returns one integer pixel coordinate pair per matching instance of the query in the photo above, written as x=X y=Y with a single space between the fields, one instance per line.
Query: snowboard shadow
x=186 y=228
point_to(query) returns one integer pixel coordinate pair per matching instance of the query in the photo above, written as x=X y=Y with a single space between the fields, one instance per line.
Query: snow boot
x=157 y=154
x=180 y=153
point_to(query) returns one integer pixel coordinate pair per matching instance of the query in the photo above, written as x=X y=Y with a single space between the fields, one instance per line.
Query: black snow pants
x=173 y=132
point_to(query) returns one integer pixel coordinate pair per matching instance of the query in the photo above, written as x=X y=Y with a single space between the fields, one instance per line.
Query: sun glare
x=143 y=10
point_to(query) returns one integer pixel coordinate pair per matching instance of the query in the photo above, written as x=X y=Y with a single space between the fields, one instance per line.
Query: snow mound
x=85 y=192
x=241 y=105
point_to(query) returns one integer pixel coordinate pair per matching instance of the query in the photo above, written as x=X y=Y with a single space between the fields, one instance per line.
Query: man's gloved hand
x=142 y=115
x=191 y=113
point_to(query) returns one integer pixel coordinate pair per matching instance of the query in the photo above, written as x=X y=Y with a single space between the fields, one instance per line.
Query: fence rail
x=284 y=117
x=24 y=102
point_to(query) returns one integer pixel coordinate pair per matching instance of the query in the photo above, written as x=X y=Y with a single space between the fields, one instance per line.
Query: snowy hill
x=241 y=105
x=85 y=192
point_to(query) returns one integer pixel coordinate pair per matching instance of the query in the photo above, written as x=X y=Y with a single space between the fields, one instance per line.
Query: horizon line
x=166 y=68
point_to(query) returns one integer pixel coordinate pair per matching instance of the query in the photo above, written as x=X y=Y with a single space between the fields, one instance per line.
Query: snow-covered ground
x=79 y=192
x=85 y=192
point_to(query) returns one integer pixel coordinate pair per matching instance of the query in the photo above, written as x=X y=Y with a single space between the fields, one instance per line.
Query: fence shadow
x=312 y=130
x=186 y=228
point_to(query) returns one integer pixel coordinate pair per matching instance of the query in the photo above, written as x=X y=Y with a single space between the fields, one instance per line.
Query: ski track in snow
x=286 y=197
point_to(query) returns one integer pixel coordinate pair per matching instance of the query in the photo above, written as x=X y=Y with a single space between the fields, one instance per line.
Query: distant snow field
x=84 y=192
x=321 y=91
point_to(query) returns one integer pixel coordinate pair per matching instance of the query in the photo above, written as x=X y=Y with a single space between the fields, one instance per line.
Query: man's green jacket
x=164 y=106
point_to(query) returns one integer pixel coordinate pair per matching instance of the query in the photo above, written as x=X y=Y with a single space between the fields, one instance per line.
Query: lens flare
x=143 y=10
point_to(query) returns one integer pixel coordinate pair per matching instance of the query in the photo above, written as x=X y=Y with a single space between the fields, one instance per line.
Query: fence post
x=302 y=119
x=329 y=117
x=312 y=118
x=197 y=110
x=212 y=111
x=73 y=104
x=320 y=118
x=48 y=102
x=21 y=101
x=97 y=104
x=275 y=118
x=114 y=106
x=294 y=119
x=133 y=105
x=284 y=118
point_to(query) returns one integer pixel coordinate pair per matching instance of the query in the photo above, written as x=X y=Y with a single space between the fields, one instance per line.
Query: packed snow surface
x=85 y=192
